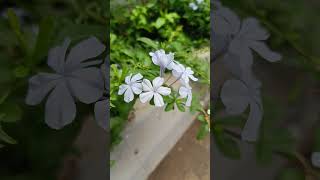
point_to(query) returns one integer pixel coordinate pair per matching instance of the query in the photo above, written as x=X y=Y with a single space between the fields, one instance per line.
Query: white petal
x=128 y=95
x=146 y=85
x=157 y=56
x=184 y=79
x=136 y=88
x=158 y=100
x=128 y=79
x=171 y=65
x=193 y=78
x=164 y=91
x=170 y=56
x=188 y=70
x=147 y=96
x=178 y=70
x=136 y=77
x=183 y=92
x=189 y=99
x=157 y=82
x=122 y=89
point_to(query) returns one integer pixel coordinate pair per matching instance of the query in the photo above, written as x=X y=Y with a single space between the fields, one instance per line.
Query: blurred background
x=289 y=134
x=29 y=148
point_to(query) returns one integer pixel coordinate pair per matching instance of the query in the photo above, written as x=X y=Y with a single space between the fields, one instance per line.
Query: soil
x=188 y=160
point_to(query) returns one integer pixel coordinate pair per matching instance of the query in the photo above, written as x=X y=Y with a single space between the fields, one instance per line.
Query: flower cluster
x=195 y=5
x=136 y=84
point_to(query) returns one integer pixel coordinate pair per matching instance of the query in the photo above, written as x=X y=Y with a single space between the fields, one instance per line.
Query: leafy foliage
x=150 y=26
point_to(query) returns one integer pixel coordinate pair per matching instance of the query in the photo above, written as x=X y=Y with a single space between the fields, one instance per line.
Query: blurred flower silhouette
x=74 y=79
x=243 y=37
x=237 y=95
x=234 y=44
x=101 y=108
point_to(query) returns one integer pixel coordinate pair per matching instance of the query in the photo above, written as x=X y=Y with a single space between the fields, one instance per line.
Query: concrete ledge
x=147 y=140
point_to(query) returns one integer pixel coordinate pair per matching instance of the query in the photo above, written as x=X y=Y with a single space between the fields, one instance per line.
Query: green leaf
x=44 y=39
x=203 y=132
x=169 y=107
x=201 y=118
x=291 y=174
x=180 y=106
x=6 y=138
x=149 y=42
x=12 y=112
x=227 y=145
x=195 y=104
x=159 y=22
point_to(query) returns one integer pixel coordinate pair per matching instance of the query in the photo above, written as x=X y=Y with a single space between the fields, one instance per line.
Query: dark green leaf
x=6 y=138
x=169 y=107
x=15 y=26
x=263 y=153
x=43 y=43
x=227 y=145
x=4 y=93
x=21 y=72
x=12 y=112
x=181 y=106
x=231 y=121
x=291 y=174
x=6 y=75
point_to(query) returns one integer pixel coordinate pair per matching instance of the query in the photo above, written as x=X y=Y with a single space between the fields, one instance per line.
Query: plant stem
x=168 y=79
x=176 y=80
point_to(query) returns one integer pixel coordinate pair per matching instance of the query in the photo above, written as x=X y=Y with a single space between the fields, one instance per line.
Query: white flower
x=165 y=61
x=154 y=90
x=199 y=1
x=186 y=91
x=183 y=73
x=133 y=85
x=193 y=6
